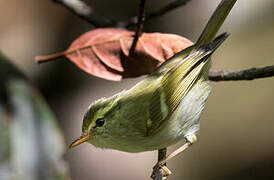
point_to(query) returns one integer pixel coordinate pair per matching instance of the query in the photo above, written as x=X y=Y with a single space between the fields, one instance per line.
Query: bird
x=164 y=107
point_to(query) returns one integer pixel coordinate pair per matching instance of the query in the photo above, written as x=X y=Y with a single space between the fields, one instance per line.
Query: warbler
x=165 y=106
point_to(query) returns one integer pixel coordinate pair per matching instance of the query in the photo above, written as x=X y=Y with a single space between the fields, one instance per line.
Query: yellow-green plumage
x=158 y=111
x=164 y=107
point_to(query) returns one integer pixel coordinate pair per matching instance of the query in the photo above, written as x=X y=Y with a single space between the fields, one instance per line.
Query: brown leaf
x=104 y=52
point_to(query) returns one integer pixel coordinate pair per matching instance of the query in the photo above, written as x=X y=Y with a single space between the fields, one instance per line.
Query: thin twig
x=247 y=74
x=139 y=28
x=157 y=13
x=167 y=8
x=85 y=12
x=161 y=156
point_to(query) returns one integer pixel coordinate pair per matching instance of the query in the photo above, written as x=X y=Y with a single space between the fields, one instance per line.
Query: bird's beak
x=80 y=140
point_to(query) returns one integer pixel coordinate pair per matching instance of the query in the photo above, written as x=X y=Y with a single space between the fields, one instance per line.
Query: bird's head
x=97 y=121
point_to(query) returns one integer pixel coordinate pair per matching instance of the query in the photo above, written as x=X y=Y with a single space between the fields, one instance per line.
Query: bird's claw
x=162 y=169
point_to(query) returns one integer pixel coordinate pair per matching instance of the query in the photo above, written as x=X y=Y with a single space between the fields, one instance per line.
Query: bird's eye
x=100 y=122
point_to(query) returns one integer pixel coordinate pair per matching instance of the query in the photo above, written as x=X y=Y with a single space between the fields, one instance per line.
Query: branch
x=85 y=12
x=162 y=11
x=169 y=7
x=161 y=156
x=247 y=74
x=139 y=28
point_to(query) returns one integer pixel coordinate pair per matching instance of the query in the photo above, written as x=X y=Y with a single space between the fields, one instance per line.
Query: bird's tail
x=215 y=22
x=208 y=34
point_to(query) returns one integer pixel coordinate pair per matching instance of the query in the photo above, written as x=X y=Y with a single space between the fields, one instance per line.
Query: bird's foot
x=160 y=170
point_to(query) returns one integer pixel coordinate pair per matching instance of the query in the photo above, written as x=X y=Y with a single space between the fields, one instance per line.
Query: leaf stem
x=51 y=57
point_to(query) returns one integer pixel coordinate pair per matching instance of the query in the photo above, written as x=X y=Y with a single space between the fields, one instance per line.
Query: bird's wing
x=177 y=82
x=174 y=86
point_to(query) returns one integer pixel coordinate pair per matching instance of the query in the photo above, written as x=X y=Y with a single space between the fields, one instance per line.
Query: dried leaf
x=104 y=52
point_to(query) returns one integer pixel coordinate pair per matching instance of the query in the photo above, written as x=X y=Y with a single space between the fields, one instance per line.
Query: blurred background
x=236 y=139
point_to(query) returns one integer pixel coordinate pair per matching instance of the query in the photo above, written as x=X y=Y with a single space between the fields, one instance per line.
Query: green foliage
x=31 y=145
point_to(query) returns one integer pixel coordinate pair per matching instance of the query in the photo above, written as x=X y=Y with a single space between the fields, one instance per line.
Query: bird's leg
x=190 y=139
